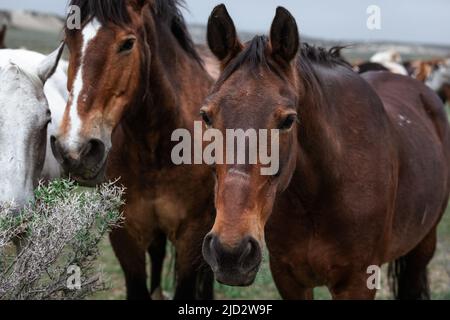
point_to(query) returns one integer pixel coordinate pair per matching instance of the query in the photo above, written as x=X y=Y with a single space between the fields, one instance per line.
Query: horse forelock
x=105 y=11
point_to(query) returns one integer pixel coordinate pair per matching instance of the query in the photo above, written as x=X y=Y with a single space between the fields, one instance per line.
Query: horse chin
x=237 y=279
x=92 y=180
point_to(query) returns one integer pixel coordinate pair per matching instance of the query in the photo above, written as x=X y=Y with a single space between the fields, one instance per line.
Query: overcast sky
x=424 y=21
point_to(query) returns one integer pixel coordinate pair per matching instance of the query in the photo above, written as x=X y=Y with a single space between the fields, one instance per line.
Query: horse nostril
x=93 y=153
x=209 y=252
x=251 y=254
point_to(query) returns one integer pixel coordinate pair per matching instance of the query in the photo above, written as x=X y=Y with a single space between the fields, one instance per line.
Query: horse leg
x=157 y=252
x=205 y=283
x=410 y=272
x=132 y=260
x=195 y=279
x=287 y=285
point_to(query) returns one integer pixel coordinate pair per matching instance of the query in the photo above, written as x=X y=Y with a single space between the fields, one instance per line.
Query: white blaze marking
x=89 y=32
x=239 y=173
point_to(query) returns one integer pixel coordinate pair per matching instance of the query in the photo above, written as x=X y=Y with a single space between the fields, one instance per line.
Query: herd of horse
x=364 y=173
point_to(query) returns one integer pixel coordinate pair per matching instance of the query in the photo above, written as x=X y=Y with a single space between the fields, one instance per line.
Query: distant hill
x=356 y=49
x=40 y=31
x=30 y=20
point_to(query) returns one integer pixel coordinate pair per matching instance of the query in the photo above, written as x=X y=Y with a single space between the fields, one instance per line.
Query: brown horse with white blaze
x=135 y=77
x=364 y=168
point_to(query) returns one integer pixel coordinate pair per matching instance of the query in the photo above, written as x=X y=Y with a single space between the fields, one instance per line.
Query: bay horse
x=29 y=102
x=364 y=168
x=135 y=77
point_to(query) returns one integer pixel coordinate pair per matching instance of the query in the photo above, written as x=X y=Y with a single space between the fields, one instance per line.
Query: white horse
x=32 y=95
x=391 y=60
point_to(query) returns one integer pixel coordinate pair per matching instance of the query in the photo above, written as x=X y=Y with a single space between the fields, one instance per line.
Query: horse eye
x=127 y=45
x=206 y=119
x=288 y=122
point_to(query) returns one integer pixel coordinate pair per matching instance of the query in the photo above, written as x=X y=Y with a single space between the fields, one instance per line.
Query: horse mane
x=169 y=11
x=332 y=57
x=115 y=11
x=254 y=56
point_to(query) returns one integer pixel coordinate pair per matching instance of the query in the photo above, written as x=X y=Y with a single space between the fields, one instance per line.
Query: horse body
x=364 y=176
x=367 y=200
x=27 y=98
x=135 y=77
x=439 y=80
x=391 y=60
x=420 y=122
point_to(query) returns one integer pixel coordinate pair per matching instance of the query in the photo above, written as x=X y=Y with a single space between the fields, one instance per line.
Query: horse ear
x=284 y=36
x=222 y=36
x=48 y=66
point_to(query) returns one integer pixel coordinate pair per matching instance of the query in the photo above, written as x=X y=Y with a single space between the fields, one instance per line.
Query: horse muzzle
x=237 y=266
x=86 y=164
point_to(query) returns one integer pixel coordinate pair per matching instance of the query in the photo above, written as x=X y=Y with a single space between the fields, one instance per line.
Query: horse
x=28 y=96
x=391 y=60
x=135 y=77
x=369 y=66
x=3 y=36
x=439 y=80
x=351 y=192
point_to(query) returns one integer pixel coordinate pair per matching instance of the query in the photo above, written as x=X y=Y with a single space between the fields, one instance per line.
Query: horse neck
x=169 y=98
x=318 y=135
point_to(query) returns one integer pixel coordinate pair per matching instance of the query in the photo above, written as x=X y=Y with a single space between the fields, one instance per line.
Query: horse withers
x=352 y=191
x=27 y=96
x=134 y=78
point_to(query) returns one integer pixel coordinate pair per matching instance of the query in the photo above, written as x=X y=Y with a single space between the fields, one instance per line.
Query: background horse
x=135 y=77
x=352 y=190
x=439 y=80
x=391 y=60
x=369 y=66
x=25 y=113
x=3 y=37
